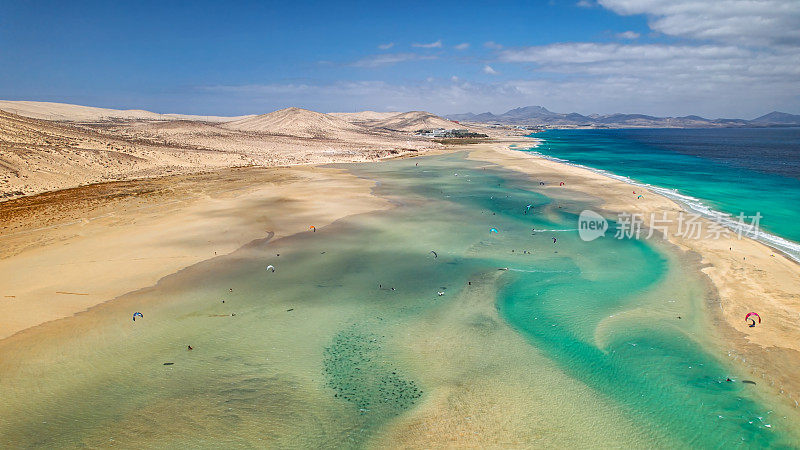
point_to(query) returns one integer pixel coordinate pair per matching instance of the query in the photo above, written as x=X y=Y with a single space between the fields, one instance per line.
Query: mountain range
x=541 y=116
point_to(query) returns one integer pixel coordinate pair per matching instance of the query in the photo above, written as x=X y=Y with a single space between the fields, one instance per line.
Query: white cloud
x=677 y=64
x=438 y=96
x=747 y=22
x=664 y=78
x=586 y=4
x=437 y=44
x=731 y=55
x=589 y=52
x=388 y=59
x=488 y=69
x=731 y=58
x=386 y=46
x=603 y=94
x=628 y=35
x=462 y=46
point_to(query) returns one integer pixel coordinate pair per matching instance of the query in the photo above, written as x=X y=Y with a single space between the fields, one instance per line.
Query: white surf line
x=694 y=205
x=512 y=269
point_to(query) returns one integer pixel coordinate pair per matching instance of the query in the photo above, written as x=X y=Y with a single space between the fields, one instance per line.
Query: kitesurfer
x=749 y=317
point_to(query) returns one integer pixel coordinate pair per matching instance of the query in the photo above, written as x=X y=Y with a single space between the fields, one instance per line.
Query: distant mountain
x=776 y=117
x=529 y=112
x=541 y=116
x=485 y=117
x=465 y=116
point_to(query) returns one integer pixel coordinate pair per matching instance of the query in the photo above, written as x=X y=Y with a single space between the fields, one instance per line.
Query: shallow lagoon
x=349 y=344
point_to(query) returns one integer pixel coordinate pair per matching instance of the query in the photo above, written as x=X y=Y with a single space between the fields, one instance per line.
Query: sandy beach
x=746 y=275
x=69 y=251
x=130 y=234
x=285 y=226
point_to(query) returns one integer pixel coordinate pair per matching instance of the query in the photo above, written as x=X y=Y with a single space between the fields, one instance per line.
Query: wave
x=694 y=205
x=511 y=269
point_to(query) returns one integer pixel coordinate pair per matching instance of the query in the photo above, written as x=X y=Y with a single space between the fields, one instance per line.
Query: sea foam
x=693 y=205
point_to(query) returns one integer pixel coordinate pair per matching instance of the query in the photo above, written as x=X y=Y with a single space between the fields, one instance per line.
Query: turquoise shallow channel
x=349 y=344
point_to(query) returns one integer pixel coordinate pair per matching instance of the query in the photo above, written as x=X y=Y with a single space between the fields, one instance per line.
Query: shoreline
x=746 y=274
x=107 y=204
x=694 y=205
x=138 y=224
x=130 y=234
x=205 y=171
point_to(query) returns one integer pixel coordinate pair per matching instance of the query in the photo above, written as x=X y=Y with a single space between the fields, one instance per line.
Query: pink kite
x=747 y=317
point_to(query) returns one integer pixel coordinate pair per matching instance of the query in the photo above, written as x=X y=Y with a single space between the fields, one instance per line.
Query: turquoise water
x=327 y=350
x=729 y=170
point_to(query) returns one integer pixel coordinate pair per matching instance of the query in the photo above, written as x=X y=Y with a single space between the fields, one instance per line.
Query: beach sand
x=67 y=251
x=747 y=275
x=64 y=252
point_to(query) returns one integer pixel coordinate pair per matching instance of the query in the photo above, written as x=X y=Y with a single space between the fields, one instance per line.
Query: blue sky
x=727 y=58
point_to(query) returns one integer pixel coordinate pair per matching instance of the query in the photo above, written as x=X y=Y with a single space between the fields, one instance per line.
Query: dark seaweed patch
x=357 y=372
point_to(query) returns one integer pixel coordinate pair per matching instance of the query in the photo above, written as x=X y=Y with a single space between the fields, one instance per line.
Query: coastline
x=128 y=235
x=696 y=206
x=746 y=274
x=226 y=210
x=134 y=224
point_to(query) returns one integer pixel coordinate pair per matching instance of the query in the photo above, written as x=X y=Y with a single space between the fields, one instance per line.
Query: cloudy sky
x=716 y=58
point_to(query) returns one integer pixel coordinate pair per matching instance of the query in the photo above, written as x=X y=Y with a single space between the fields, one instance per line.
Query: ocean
x=459 y=315
x=710 y=171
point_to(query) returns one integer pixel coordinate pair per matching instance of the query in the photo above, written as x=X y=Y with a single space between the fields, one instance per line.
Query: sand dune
x=297 y=122
x=52 y=146
x=78 y=113
x=364 y=116
x=413 y=121
x=40 y=155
